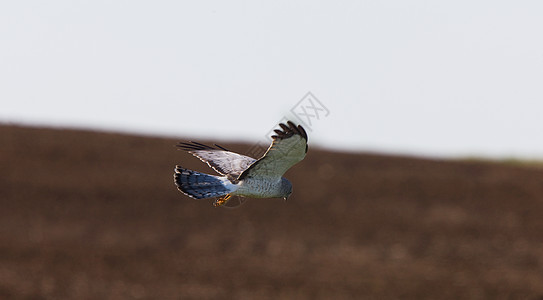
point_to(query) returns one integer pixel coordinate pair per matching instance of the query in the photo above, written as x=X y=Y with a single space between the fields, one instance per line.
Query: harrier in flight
x=243 y=175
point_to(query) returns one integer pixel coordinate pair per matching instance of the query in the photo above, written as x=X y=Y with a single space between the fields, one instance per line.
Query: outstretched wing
x=288 y=147
x=221 y=160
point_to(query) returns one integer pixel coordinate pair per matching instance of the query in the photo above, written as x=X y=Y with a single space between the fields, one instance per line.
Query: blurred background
x=423 y=178
x=448 y=78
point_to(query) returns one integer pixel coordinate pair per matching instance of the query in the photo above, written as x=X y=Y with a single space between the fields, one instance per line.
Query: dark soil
x=88 y=215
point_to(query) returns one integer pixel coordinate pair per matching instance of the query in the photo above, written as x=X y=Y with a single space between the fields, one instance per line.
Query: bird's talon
x=221 y=201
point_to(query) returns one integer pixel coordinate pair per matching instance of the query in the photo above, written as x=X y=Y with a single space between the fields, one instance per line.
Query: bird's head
x=286 y=188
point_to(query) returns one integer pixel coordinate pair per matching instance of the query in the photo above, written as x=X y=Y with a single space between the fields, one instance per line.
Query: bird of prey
x=243 y=175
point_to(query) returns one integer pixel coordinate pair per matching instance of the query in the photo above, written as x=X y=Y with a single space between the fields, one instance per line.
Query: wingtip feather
x=289 y=130
x=194 y=146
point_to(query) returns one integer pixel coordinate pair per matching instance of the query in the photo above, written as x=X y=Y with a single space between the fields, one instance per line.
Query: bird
x=241 y=175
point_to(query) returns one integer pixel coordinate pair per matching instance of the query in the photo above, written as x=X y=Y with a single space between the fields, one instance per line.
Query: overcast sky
x=441 y=78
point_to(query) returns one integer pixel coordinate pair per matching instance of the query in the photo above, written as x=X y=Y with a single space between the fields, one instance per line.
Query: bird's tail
x=199 y=185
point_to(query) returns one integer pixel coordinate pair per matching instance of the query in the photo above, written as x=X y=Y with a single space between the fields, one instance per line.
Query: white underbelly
x=256 y=188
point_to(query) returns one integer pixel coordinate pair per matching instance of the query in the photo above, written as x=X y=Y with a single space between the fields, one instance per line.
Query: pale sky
x=439 y=78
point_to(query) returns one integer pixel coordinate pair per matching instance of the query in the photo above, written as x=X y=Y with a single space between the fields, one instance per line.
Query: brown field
x=89 y=215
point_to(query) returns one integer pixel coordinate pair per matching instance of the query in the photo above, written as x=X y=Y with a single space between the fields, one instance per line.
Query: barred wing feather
x=221 y=160
x=289 y=146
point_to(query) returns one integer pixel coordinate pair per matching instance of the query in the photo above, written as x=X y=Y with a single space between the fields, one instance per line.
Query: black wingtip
x=289 y=130
x=302 y=132
x=194 y=146
x=220 y=147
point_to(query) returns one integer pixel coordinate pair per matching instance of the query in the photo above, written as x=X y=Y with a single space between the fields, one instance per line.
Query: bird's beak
x=285 y=198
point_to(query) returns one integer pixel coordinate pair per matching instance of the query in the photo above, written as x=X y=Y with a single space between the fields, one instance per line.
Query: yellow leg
x=222 y=200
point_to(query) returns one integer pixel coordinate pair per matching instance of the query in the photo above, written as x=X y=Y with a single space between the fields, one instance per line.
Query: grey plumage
x=199 y=185
x=242 y=175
